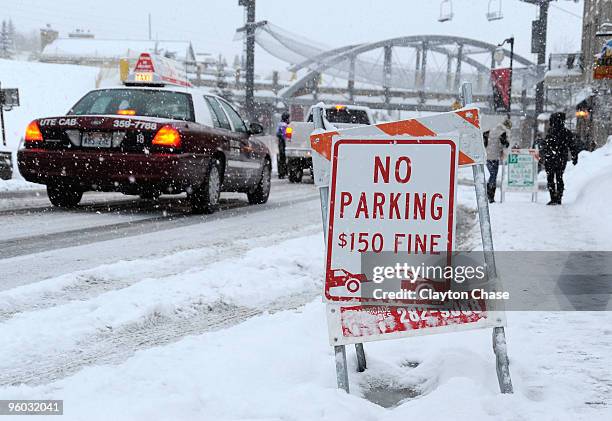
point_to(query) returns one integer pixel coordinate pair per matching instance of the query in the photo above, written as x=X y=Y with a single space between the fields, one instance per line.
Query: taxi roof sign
x=155 y=70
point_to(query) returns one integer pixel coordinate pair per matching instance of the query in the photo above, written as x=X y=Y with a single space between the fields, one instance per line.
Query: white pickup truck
x=297 y=149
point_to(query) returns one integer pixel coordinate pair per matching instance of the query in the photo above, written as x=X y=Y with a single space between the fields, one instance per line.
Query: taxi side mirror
x=255 y=128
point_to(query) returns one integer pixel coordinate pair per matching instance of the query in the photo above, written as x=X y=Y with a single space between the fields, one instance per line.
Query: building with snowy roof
x=88 y=50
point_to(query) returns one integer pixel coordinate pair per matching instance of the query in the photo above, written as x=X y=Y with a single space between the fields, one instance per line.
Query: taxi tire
x=64 y=195
x=203 y=197
x=261 y=193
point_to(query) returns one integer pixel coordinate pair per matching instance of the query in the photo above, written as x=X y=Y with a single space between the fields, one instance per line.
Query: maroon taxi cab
x=147 y=139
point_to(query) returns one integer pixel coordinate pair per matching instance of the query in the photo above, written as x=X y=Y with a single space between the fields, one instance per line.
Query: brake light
x=340 y=107
x=289 y=132
x=167 y=136
x=33 y=133
x=126 y=112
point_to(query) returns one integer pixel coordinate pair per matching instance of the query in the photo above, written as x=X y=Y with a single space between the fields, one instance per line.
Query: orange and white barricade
x=354 y=322
x=464 y=123
x=385 y=321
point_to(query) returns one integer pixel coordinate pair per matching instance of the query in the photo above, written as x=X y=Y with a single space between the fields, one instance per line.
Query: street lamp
x=249 y=95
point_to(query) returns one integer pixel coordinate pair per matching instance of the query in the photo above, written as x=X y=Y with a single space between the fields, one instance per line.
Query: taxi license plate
x=96 y=140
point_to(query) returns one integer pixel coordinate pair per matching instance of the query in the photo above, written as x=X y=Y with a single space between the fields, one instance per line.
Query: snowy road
x=38 y=241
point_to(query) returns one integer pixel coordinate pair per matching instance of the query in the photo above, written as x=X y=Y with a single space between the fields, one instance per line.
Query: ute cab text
x=154 y=135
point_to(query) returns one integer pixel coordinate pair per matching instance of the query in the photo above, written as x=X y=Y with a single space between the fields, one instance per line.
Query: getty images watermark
x=418 y=282
x=538 y=281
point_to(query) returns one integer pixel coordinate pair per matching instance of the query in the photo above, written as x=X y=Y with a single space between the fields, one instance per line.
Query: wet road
x=38 y=241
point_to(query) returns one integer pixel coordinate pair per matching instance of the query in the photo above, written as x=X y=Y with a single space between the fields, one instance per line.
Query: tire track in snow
x=91 y=283
x=116 y=346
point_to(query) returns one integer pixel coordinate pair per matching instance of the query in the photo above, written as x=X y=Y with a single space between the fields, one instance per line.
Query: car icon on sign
x=344 y=283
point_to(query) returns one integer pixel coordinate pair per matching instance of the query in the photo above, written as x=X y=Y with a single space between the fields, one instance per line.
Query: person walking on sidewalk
x=281 y=135
x=557 y=145
x=495 y=143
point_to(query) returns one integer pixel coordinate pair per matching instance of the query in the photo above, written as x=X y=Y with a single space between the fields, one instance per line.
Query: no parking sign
x=393 y=196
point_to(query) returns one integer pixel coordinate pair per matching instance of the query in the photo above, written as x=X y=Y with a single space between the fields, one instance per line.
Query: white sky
x=210 y=24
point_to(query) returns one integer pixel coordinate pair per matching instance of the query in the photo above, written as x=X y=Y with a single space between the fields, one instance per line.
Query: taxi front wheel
x=64 y=195
x=262 y=191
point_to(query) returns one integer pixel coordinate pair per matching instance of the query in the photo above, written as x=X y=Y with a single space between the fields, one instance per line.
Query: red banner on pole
x=500 y=80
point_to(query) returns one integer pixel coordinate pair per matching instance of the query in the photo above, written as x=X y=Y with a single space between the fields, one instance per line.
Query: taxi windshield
x=140 y=102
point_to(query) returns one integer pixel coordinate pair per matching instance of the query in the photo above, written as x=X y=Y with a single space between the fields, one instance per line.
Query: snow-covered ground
x=44 y=90
x=580 y=224
x=206 y=328
x=17 y=185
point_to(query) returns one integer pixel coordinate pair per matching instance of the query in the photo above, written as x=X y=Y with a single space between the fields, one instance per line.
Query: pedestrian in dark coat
x=557 y=145
x=281 y=135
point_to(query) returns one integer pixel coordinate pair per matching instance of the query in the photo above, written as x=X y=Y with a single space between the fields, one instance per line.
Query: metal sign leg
x=340 y=351
x=341 y=368
x=501 y=360
x=502 y=190
x=361 y=358
x=499 y=336
x=323 y=193
x=3 y=132
x=2 y=124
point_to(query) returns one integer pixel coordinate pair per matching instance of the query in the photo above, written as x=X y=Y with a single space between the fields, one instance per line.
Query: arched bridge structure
x=416 y=72
x=389 y=83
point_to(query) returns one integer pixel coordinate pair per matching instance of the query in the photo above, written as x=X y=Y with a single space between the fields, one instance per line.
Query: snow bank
x=592 y=168
x=17 y=184
x=280 y=367
x=160 y=289
x=44 y=90
x=593 y=172
x=521 y=225
x=589 y=185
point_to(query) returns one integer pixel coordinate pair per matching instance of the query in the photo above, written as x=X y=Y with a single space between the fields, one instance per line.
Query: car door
x=248 y=160
x=234 y=174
